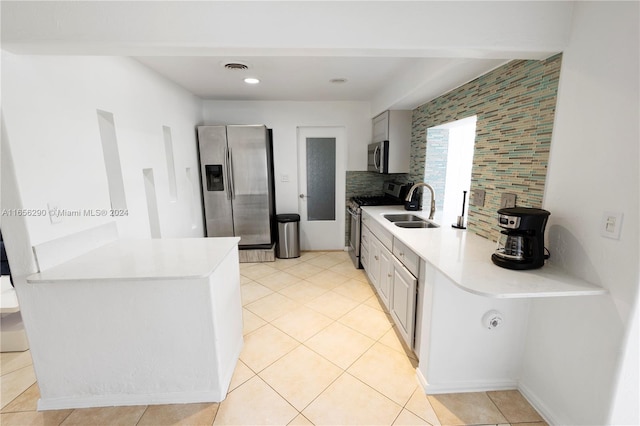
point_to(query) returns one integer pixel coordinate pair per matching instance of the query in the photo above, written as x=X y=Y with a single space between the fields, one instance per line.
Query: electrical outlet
x=477 y=197
x=54 y=212
x=507 y=200
x=611 y=225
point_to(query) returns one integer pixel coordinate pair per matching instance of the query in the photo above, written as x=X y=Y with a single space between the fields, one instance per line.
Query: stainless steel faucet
x=433 y=197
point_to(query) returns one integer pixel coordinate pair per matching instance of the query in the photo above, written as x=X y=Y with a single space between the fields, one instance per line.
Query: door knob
x=302 y=196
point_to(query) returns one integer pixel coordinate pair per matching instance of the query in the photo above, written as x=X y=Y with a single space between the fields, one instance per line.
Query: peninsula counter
x=136 y=322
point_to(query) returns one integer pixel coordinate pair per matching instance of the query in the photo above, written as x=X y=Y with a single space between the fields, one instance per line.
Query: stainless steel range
x=394 y=194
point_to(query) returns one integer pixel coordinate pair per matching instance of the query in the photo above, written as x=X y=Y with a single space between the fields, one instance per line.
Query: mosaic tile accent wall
x=515 y=105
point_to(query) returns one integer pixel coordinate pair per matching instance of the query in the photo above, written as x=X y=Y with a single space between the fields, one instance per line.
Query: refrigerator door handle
x=227 y=186
x=232 y=187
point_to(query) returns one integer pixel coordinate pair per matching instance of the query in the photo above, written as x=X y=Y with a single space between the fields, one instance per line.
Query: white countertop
x=153 y=259
x=465 y=258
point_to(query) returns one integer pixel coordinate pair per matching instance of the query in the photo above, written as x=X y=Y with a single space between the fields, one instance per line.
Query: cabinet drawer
x=365 y=219
x=365 y=238
x=408 y=258
x=385 y=237
x=364 y=258
x=376 y=230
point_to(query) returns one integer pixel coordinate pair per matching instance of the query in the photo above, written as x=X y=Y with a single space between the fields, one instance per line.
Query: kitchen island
x=136 y=322
x=466 y=318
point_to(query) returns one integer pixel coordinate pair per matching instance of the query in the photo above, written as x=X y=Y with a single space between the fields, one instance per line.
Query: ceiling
x=299 y=78
x=393 y=54
x=304 y=78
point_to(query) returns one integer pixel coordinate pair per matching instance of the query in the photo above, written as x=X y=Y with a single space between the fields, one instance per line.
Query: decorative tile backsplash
x=370 y=183
x=367 y=183
x=515 y=105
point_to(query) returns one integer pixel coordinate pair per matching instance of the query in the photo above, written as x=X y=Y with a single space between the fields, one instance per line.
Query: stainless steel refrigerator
x=237 y=183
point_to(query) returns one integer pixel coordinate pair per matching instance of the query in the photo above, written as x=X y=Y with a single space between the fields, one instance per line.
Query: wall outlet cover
x=507 y=200
x=611 y=224
x=54 y=212
x=477 y=197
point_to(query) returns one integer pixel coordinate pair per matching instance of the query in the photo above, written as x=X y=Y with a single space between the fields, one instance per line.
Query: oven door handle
x=352 y=213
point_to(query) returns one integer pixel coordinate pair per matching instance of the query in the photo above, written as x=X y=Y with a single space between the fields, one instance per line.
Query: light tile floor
x=319 y=349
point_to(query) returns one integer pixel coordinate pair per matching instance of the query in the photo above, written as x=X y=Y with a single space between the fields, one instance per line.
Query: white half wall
x=50 y=123
x=575 y=346
x=284 y=118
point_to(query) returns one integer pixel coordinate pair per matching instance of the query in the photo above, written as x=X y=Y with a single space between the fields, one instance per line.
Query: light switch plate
x=477 y=197
x=611 y=224
x=507 y=200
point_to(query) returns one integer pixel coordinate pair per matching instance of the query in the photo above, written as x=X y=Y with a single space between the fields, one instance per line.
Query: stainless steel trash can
x=288 y=236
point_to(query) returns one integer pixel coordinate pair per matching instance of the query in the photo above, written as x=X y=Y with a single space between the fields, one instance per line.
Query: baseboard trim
x=127 y=400
x=540 y=406
x=548 y=415
x=461 y=387
x=257 y=255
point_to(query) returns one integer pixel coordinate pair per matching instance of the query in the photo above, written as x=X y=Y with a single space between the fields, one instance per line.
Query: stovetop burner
x=376 y=200
x=393 y=195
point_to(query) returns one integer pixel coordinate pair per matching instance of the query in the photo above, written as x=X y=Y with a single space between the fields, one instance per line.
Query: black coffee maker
x=521 y=243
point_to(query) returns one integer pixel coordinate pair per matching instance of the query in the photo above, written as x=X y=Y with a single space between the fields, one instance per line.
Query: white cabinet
x=380 y=129
x=365 y=238
x=373 y=271
x=386 y=276
x=395 y=127
x=403 y=300
x=405 y=255
x=404 y=290
x=392 y=269
x=379 y=270
x=385 y=237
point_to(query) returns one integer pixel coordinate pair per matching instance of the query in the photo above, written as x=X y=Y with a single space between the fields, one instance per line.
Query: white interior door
x=321 y=187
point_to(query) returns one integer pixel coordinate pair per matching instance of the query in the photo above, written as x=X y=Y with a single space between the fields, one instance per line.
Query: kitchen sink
x=403 y=218
x=407 y=220
x=416 y=224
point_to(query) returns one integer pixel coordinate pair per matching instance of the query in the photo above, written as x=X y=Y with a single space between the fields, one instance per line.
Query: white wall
x=457 y=352
x=52 y=137
x=284 y=118
x=575 y=345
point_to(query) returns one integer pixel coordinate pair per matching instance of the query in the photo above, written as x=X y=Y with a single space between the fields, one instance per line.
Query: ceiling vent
x=236 y=66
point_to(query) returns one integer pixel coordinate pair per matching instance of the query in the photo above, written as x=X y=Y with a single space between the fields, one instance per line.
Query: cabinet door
x=386 y=276
x=380 y=128
x=403 y=301
x=374 y=263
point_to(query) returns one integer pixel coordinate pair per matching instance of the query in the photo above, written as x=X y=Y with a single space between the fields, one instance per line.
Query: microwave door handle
x=376 y=157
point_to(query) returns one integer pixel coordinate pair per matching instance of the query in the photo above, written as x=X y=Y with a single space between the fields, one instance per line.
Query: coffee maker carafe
x=521 y=243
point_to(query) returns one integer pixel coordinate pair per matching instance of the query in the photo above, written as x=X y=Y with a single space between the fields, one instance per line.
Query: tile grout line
x=344 y=370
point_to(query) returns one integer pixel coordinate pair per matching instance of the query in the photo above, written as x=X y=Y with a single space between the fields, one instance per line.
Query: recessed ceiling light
x=251 y=80
x=338 y=80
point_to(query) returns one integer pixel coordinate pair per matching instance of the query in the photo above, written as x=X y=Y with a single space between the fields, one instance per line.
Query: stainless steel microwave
x=378 y=157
